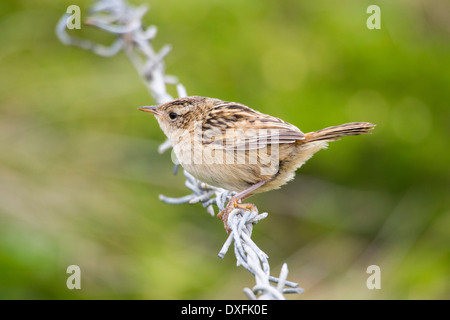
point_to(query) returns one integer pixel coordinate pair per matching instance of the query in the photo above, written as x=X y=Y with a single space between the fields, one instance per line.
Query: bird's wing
x=233 y=126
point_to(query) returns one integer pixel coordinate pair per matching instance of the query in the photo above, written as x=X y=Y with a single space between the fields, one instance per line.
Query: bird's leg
x=234 y=203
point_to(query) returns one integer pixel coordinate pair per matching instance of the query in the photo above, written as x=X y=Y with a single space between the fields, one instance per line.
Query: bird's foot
x=232 y=204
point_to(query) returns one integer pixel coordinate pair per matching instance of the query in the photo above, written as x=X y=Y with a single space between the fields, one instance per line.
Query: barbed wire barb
x=124 y=20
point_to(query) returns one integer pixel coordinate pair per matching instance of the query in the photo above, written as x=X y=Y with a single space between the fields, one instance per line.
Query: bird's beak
x=151 y=109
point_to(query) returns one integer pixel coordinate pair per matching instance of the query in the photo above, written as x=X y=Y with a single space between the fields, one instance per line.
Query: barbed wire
x=124 y=20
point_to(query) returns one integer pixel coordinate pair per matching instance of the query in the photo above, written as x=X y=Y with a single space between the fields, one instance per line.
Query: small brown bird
x=231 y=146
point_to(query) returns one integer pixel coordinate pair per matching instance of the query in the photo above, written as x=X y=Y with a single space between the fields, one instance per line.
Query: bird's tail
x=336 y=132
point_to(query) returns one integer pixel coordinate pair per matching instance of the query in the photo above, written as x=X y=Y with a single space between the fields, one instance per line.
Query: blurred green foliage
x=80 y=173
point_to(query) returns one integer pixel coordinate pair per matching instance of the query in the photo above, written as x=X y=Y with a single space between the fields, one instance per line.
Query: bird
x=232 y=146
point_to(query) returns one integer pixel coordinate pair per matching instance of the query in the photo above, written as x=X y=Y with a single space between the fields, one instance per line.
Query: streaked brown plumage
x=242 y=149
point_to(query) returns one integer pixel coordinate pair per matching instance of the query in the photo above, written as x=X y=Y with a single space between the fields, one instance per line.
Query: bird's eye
x=173 y=115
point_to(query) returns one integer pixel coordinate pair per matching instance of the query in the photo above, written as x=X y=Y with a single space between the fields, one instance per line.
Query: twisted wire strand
x=124 y=20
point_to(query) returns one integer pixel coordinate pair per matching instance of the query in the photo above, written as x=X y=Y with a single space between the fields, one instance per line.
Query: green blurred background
x=80 y=173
